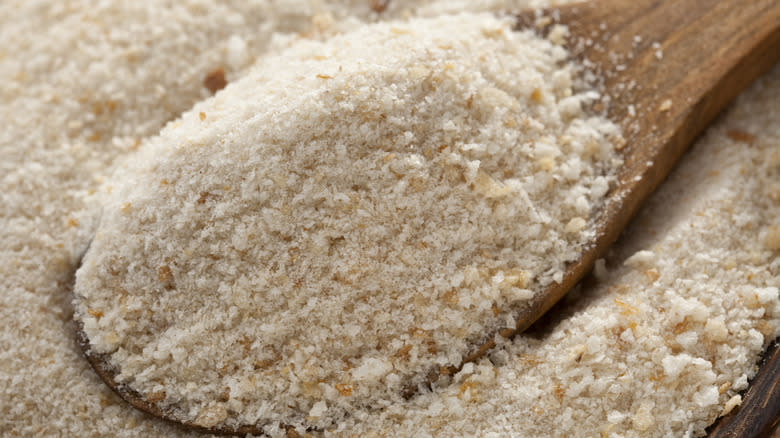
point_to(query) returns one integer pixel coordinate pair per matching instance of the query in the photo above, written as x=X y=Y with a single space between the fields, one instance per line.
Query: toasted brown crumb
x=379 y=6
x=204 y=196
x=164 y=273
x=322 y=76
x=559 y=391
x=740 y=136
x=536 y=95
x=246 y=342
x=156 y=396
x=468 y=386
x=403 y=352
x=265 y=363
x=96 y=313
x=202 y=116
x=215 y=80
x=681 y=327
x=343 y=389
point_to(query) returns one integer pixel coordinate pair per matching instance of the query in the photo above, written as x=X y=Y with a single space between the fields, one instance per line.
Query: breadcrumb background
x=659 y=347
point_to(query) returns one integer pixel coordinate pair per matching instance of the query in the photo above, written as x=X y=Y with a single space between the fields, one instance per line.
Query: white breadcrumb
x=150 y=58
x=663 y=343
x=346 y=217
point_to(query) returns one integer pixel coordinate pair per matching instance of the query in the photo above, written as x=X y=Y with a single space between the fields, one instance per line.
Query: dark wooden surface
x=711 y=51
x=759 y=414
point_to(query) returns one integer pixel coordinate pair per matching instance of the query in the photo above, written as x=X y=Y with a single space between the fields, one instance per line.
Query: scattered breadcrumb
x=142 y=73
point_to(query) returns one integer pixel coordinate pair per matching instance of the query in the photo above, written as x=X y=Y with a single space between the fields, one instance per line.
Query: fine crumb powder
x=343 y=219
x=83 y=83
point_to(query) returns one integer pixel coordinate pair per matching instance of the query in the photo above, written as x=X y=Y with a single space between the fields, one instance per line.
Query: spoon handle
x=683 y=62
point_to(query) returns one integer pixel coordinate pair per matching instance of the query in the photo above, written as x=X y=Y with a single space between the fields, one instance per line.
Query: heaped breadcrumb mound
x=667 y=340
x=348 y=216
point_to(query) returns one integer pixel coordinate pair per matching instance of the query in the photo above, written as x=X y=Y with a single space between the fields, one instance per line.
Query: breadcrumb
x=340 y=230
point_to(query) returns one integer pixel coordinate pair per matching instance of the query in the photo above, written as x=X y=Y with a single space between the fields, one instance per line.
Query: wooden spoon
x=669 y=67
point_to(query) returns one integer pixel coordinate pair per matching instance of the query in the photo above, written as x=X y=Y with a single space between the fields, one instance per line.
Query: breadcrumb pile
x=346 y=217
x=661 y=346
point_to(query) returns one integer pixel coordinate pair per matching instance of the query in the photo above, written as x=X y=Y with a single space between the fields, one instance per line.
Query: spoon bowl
x=668 y=68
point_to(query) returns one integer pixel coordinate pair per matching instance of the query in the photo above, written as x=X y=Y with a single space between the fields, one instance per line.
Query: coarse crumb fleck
x=215 y=80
